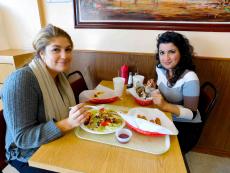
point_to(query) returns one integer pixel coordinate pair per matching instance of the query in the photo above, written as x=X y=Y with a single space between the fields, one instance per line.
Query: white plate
x=104 y=132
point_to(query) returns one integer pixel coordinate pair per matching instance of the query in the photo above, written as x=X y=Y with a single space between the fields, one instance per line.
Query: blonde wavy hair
x=46 y=34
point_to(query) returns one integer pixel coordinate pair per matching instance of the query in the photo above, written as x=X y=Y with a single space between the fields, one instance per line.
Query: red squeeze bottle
x=125 y=72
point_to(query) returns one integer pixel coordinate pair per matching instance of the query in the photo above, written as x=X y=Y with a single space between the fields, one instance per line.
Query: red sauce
x=123 y=136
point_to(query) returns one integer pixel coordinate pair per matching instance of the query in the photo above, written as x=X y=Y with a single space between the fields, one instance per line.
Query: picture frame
x=183 y=15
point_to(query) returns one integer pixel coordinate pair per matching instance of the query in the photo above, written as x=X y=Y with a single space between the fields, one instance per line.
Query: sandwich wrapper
x=104 y=93
x=167 y=127
x=133 y=92
x=151 y=127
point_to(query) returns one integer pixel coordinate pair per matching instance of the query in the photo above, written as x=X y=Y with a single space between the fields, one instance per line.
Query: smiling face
x=57 y=55
x=169 y=55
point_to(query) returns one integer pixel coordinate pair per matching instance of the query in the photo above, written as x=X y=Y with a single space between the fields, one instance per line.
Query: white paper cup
x=138 y=79
x=118 y=84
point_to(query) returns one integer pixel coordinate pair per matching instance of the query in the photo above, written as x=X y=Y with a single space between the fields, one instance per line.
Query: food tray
x=138 y=142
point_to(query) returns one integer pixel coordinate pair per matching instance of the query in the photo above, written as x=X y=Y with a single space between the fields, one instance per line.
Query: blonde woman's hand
x=77 y=115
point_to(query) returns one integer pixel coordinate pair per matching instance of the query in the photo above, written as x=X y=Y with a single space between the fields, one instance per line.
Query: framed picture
x=184 y=15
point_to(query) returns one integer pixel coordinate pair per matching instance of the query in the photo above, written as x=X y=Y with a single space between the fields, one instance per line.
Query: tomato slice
x=102 y=110
x=105 y=123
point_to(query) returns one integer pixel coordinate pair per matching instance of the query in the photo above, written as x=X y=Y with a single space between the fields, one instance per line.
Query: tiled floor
x=204 y=163
x=198 y=163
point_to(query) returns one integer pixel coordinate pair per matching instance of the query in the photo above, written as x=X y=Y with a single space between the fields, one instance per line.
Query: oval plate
x=106 y=131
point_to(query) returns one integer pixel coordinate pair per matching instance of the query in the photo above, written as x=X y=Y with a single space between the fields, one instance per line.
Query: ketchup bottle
x=125 y=72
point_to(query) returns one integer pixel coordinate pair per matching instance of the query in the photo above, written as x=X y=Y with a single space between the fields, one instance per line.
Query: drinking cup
x=138 y=80
x=118 y=84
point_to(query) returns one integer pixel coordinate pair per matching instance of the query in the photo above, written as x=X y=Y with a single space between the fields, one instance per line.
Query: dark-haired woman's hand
x=151 y=83
x=158 y=99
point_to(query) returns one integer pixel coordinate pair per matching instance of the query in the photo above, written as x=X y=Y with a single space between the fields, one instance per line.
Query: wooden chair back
x=77 y=83
x=207 y=100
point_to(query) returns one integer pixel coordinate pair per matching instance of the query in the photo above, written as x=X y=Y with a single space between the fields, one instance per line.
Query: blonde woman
x=36 y=99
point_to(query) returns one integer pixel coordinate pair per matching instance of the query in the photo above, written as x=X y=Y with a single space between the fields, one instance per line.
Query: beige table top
x=71 y=154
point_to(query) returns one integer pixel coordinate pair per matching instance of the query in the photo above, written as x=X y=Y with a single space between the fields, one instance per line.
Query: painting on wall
x=185 y=15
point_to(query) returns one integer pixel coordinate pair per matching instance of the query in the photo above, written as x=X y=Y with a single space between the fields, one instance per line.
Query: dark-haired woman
x=178 y=86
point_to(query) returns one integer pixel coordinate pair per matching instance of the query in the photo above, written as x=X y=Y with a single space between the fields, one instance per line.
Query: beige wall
x=21 y=22
x=3 y=40
x=212 y=44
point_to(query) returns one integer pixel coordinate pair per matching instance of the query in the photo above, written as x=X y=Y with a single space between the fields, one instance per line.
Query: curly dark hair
x=186 y=53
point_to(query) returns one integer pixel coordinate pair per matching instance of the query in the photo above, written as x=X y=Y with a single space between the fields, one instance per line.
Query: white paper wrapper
x=133 y=92
x=100 y=92
x=167 y=127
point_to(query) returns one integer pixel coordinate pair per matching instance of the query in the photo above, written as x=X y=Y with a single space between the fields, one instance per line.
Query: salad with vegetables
x=102 y=120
